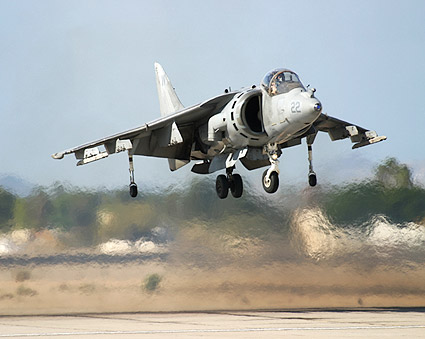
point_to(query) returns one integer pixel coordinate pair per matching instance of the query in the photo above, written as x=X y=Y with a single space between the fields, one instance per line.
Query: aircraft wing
x=170 y=136
x=339 y=129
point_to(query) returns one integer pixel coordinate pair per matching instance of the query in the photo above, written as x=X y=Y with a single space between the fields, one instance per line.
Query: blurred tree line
x=96 y=216
x=391 y=192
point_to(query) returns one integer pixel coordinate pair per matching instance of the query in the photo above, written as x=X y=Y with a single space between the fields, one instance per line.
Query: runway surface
x=372 y=323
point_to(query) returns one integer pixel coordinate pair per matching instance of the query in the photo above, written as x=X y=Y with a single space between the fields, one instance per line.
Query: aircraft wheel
x=271 y=185
x=222 y=186
x=133 y=190
x=236 y=186
x=312 y=179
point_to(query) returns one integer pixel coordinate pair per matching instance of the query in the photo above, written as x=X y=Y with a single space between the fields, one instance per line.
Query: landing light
x=318 y=107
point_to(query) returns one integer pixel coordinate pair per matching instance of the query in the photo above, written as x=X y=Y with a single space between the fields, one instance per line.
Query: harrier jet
x=251 y=125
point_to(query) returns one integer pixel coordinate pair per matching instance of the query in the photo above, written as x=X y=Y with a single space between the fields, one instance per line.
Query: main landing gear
x=232 y=182
x=312 y=179
x=133 y=186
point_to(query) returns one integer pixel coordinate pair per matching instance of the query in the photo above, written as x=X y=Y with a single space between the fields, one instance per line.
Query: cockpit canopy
x=280 y=81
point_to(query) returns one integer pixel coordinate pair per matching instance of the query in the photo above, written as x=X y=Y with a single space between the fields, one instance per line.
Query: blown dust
x=314 y=266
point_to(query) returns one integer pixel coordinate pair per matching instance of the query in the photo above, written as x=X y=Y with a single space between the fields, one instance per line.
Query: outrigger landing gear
x=271 y=176
x=133 y=186
x=312 y=179
x=231 y=181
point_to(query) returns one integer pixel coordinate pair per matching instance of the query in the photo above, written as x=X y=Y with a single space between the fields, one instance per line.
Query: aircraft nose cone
x=316 y=107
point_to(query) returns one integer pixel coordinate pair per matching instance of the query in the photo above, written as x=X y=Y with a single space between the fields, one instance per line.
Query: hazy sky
x=75 y=71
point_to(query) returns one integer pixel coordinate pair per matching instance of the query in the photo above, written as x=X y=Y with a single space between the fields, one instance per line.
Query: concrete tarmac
x=340 y=323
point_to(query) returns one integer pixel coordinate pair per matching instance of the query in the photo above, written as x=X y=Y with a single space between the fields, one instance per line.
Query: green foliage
x=87 y=289
x=26 y=291
x=392 y=174
x=22 y=276
x=248 y=216
x=34 y=211
x=390 y=193
x=7 y=203
x=151 y=282
x=74 y=209
x=125 y=221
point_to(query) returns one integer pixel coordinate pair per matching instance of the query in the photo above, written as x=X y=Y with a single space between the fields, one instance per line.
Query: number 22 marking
x=296 y=107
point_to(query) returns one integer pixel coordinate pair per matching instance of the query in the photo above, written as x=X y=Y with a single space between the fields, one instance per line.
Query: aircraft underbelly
x=154 y=145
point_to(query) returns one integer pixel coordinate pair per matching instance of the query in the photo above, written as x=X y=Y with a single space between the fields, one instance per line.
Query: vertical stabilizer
x=168 y=100
x=168 y=103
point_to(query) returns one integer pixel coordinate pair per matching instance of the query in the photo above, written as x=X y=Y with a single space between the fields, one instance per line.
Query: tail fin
x=168 y=100
x=168 y=103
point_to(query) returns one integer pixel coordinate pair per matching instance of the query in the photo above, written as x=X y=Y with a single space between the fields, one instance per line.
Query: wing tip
x=370 y=141
x=58 y=155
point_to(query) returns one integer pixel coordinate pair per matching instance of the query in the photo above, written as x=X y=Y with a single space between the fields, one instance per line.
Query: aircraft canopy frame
x=281 y=81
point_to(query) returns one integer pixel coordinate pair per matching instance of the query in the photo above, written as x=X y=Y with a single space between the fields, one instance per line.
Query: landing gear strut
x=312 y=179
x=133 y=186
x=231 y=181
x=271 y=176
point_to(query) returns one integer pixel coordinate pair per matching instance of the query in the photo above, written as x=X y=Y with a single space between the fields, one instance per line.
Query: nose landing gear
x=231 y=181
x=270 y=178
x=270 y=182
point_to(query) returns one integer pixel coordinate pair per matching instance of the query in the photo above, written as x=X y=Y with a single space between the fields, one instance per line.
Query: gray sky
x=75 y=71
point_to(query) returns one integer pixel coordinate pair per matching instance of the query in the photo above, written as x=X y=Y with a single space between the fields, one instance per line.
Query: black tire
x=236 y=186
x=222 y=186
x=133 y=190
x=272 y=185
x=312 y=179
